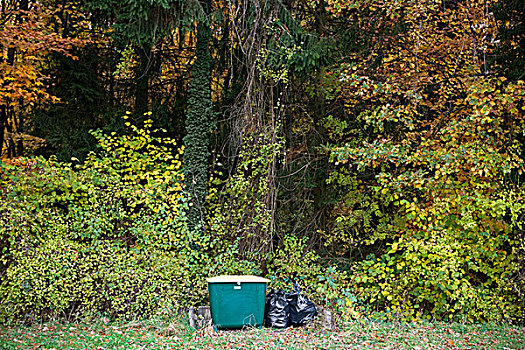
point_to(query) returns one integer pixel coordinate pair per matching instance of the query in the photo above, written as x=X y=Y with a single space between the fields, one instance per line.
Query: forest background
x=372 y=150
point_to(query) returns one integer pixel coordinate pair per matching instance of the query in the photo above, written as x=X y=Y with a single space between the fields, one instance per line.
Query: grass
x=369 y=335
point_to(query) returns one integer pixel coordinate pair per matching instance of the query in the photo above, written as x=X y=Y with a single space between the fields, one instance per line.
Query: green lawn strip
x=81 y=337
x=356 y=335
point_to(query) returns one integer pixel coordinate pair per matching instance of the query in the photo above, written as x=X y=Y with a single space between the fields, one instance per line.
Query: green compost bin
x=237 y=301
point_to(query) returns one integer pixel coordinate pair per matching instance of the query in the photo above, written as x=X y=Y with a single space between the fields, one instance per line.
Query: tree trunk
x=142 y=79
x=4 y=109
x=3 y=123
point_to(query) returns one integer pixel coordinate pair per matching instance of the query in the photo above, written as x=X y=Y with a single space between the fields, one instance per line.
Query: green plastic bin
x=237 y=301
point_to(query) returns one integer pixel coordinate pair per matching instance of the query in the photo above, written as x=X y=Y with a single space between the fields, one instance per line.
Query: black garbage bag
x=302 y=309
x=277 y=311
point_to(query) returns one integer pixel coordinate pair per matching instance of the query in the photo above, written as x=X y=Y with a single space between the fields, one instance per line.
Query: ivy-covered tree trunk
x=196 y=141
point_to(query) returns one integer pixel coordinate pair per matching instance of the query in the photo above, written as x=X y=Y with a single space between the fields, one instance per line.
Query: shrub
x=105 y=236
x=62 y=278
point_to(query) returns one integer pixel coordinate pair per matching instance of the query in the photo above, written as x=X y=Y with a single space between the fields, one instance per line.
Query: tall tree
x=142 y=26
x=26 y=40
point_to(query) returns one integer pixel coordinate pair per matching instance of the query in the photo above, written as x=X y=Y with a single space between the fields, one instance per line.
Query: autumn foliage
x=441 y=136
x=372 y=150
x=27 y=39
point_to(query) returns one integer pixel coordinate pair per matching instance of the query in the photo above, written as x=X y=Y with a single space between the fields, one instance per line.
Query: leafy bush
x=451 y=249
x=458 y=275
x=106 y=236
x=61 y=278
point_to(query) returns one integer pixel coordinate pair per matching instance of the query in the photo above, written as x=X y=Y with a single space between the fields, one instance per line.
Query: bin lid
x=237 y=278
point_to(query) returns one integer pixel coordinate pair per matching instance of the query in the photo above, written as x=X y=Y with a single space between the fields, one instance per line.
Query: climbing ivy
x=198 y=128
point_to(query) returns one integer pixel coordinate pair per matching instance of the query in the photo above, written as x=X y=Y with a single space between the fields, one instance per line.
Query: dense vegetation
x=372 y=150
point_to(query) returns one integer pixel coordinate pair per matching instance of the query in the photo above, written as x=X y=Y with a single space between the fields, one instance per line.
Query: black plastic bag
x=302 y=310
x=277 y=311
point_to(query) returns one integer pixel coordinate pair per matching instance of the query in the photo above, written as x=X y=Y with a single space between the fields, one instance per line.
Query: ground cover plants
x=355 y=335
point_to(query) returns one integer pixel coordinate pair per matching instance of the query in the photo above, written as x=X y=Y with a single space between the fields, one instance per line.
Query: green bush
x=105 y=236
x=452 y=263
x=62 y=278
